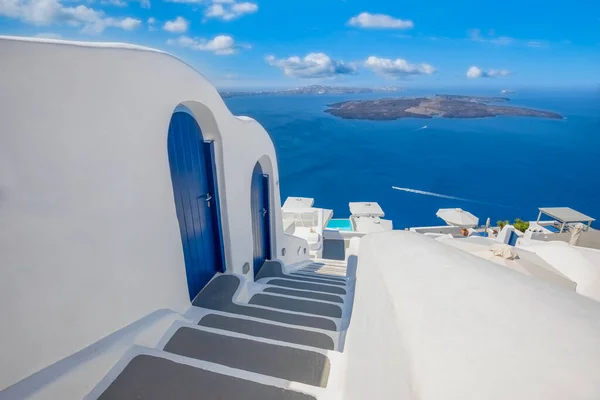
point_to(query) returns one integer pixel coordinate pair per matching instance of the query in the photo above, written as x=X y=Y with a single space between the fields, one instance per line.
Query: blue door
x=260 y=217
x=194 y=189
x=512 y=240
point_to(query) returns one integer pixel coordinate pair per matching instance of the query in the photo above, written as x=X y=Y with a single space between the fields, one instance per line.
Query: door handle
x=207 y=198
x=264 y=212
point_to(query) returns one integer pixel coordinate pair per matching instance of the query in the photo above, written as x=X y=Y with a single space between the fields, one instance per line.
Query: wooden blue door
x=260 y=217
x=194 y=191
x=512 y=240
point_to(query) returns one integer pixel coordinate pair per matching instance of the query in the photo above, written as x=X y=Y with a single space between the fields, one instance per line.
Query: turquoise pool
x=340 y=224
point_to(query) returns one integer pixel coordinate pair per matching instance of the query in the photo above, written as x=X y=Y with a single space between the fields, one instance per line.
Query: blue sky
x=282 y=43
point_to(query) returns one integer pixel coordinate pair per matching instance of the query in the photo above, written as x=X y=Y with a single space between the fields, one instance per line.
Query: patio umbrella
x=458 y=217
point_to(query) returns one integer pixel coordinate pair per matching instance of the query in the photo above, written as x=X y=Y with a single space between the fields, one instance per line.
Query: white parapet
x=431 y=322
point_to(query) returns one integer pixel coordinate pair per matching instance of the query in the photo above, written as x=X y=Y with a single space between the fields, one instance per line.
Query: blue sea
x=501 y=168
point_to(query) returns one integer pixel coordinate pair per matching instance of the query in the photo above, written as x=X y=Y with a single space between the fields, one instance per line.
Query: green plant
x=521 y=225
x=502 y=224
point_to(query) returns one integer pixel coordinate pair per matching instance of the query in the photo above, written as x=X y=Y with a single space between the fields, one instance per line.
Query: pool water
x=484 y=234
x=340 y=224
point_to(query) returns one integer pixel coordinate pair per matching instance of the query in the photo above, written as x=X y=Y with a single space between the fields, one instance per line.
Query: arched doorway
x=261 y=226
x=195 y=192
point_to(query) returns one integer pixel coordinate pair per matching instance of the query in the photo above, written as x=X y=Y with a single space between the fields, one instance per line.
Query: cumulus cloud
x=48 y=12
x=397 y=68
x=229 y=10
x=178 y=25
x=379 y=21
x=116 y=3
x=151 y=23
x=313 y=65
x=221 y=44
x=475 y=72
x=225 y=10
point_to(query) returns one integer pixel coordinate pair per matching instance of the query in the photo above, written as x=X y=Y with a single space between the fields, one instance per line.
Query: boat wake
x=421 y=128
x=443 y=196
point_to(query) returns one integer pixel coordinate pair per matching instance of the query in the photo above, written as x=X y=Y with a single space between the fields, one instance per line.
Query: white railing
x=310 y=217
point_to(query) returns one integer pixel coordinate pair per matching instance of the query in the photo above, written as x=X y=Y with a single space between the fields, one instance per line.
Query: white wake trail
x=443 y=196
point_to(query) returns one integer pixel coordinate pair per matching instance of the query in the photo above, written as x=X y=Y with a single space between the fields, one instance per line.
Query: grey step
x=327 y=271
x=268 y=331
x=303 y=274
x=324 y=280
x=308 y=295
x=283 y=362
x=154 y=378
x=306 y=286
x=218 y=294
x=297 y=305
x=272 y=269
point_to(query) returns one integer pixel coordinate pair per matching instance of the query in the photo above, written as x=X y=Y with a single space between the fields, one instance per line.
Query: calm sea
x=502 y=168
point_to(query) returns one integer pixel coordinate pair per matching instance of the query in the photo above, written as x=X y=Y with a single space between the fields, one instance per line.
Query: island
x=440 y=105
x=313 y=90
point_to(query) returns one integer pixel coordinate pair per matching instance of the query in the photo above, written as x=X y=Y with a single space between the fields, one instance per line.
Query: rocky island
x=441 y=106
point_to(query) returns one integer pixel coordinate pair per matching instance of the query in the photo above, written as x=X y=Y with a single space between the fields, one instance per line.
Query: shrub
x=521 y=225
x=502 y=224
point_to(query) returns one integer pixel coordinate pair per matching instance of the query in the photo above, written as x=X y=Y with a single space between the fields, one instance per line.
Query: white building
x=143 y=255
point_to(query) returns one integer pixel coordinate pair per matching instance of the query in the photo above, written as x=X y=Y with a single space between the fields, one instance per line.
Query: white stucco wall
x=579 y=264
x=431 y=322
x=89 y=239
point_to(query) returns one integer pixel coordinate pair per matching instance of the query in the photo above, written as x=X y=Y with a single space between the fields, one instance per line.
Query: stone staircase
x=280 y=337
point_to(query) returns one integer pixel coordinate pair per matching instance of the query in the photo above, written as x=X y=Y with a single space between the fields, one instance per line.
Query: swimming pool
x=340 y=224
x=483 y=234
x=551 y=228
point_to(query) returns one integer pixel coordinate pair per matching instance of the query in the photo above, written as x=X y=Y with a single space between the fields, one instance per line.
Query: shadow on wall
x=334 y=249
x=351 y=267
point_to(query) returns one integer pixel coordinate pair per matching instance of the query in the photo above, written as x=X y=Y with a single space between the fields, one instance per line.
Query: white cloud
x=397 y=68
x=228 y=10
x=186 y=1
x=178 y=25
x=123 y=3
x=225 y=10
x=313 y=65
x=151 y=23
x=128 y=23
x=476 y=36
x=221 y=44
x=475 y=72
x=536 y=44
x=48 y=12
x=382 y=21
x=116 y=3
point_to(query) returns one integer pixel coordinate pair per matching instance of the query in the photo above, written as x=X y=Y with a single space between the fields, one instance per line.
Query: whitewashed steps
x=268 y=331
x=148 y=377
x=278 y=361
